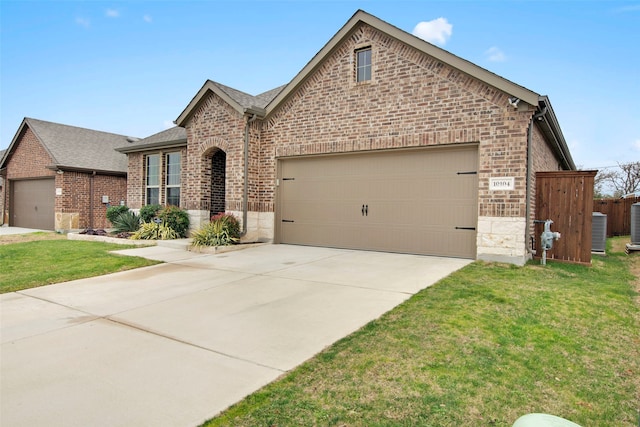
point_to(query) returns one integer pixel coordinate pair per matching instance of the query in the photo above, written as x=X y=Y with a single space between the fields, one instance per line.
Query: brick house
x=60 y=177
x=381 y=142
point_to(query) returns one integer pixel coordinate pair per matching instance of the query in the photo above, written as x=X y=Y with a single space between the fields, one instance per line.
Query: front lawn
x=40 y=259
x=480 y=348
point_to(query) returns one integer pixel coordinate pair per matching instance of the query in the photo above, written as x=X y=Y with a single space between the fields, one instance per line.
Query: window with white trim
x=173 y=179
x=152 y=170
x=363 y=64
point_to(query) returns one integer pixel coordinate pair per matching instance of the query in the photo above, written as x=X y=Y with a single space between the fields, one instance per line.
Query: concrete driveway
x=175 y=344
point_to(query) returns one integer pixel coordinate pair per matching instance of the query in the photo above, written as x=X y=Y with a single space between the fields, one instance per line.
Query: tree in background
x=623 y=180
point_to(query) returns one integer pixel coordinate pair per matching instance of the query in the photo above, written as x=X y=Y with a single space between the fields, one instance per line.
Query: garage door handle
x=465 y=228
x=362 y=210
x=365 y=210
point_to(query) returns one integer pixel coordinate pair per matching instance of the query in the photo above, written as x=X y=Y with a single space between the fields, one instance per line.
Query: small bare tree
x=624 y=180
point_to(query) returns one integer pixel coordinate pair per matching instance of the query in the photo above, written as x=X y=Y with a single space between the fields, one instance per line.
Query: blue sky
x=131 y=67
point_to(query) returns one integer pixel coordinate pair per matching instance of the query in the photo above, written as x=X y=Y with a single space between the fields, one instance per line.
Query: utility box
x=599 y=232
x=635 y=224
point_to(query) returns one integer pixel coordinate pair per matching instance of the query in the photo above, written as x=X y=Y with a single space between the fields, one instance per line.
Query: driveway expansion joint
x=190 y=344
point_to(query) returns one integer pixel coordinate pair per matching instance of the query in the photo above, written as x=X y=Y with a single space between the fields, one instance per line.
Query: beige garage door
x=409 y=201
x=33 y=203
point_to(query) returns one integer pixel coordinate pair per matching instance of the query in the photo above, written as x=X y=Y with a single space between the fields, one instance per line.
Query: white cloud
x=168 y=124
x=112 y=13
x=495 y=54
x=83 y=22
x=147 y=18
x=636 y=144
x=437 y=31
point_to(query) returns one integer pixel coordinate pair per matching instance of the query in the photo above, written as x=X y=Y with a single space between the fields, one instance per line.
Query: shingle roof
x=170 y=137
x=247 y=101
x=174 y=134
x=241 y=101
x=80 y=148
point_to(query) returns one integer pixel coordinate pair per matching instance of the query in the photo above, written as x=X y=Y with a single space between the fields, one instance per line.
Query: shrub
x=148 y=212
x=154 y=231
x=114 y=211
x=126 y=222
x=231 y=223
x=175 y=218
x=223 y=230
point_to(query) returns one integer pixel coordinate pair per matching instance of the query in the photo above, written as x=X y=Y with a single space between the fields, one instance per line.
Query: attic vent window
x=363 y=64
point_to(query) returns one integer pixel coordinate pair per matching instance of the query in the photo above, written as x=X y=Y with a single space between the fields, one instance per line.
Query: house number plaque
x=498 y=184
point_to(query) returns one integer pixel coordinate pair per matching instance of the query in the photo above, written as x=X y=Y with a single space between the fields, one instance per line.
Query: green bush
x=148 y=212
x=114 y=211
x=223 y=230
x=154 y=231
x=175 y=218
x=126 y=222
x=230 y=222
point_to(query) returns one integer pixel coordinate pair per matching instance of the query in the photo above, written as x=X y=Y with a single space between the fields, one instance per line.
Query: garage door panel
x=33 y=204
x=414 y=199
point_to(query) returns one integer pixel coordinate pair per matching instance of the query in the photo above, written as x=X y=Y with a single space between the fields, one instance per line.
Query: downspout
x=529 y=173
x=91 y=176
x=245 y=193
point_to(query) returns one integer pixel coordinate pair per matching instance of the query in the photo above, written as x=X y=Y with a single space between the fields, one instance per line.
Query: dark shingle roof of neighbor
x=80 y=148
x=247 y=101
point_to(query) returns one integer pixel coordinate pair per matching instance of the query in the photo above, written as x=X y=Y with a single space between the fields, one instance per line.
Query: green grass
x=482 y=347
x=37 y=263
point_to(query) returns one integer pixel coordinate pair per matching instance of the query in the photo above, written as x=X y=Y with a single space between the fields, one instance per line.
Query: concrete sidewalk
x=6 y=230
x=174 y=344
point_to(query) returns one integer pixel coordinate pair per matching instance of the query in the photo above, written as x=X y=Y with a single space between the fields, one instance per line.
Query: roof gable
x=361 y=17
x=240 y=101
x=73 y=147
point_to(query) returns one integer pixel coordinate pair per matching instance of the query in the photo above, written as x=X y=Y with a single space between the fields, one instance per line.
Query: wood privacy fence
x=566 y=198
x=618 y=213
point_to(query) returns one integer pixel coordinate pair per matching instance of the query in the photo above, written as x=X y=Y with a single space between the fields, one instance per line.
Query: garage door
x=409 y=201
x=33 y=203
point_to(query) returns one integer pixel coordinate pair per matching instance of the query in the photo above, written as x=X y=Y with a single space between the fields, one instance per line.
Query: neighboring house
x=60 y=177
x=381 y=142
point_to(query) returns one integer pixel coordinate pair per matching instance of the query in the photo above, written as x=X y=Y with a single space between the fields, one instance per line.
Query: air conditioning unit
x=599 y=232
x=635 y=224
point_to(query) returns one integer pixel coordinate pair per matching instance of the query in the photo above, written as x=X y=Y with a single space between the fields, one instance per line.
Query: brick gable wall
x=214 y=125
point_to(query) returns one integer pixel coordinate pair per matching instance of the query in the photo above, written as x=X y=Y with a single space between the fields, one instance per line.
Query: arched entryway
x=218 y=177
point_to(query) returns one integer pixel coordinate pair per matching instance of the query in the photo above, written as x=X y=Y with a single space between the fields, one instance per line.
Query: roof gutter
x=151 y=146
x=63 y=168
x=551 y=128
